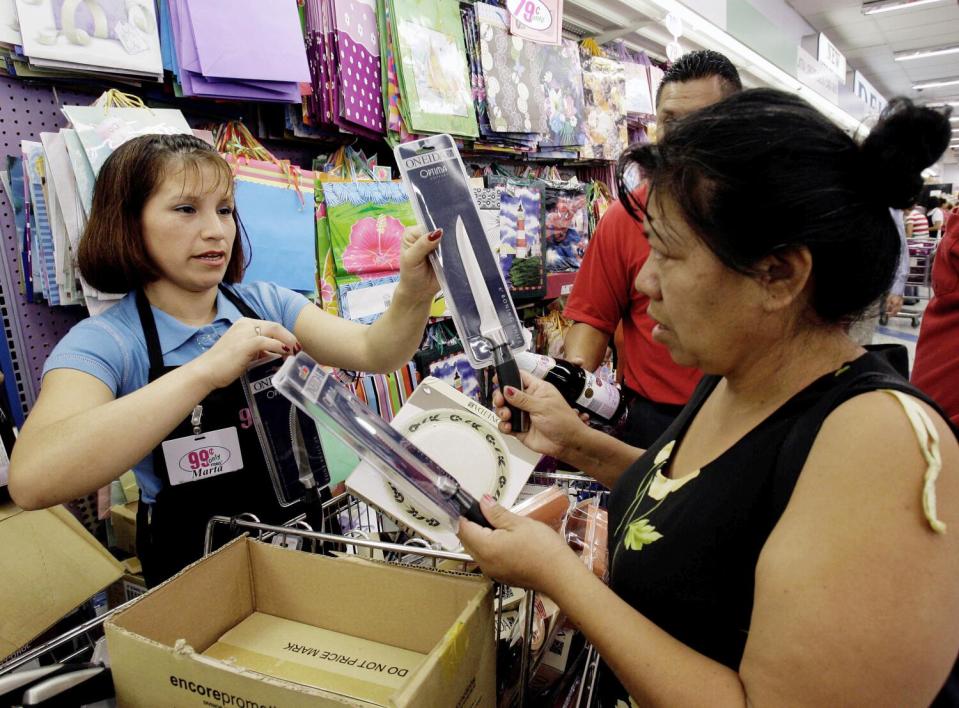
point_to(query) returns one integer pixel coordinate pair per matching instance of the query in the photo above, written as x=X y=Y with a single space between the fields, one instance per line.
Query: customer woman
x=137 y=386
x=785 y=542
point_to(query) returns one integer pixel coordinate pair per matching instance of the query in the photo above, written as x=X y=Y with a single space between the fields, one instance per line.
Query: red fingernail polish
x=286 y=348
x=436 y=234
x=509 y=391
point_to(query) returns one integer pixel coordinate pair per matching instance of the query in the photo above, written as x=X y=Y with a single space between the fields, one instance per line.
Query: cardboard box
x=131 y=585
x=123 y=517
x=50 y=564
x=301 y=653
x=157 y=644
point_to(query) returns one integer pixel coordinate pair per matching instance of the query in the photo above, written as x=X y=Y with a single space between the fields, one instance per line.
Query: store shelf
x=559 y=284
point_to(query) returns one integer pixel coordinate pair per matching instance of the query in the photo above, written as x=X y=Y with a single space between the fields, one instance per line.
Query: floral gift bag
x=604 y=89
x=562 y=79
x=366 y=221
x=514 y=92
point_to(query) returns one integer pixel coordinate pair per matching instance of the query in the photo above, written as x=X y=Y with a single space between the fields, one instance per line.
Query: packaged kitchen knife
x=485 y=317
x=416 y=480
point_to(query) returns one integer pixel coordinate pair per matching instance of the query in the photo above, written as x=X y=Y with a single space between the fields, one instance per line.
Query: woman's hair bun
x=906 y=140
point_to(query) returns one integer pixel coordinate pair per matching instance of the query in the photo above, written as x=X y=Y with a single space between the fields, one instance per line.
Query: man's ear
x=783 y=275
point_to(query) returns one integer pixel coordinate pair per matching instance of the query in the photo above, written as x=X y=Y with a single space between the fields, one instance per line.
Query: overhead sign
x=832 y=57
x=817 y=76
x=868 y=94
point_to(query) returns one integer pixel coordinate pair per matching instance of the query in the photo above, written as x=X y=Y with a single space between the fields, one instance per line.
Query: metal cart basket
x=361 y=522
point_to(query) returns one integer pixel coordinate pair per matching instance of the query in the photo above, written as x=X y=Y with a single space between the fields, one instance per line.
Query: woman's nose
x=213 y=226
x=647 y=281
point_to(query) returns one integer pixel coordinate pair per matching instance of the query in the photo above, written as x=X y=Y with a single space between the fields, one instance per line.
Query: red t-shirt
x=936 y=371
x=604 y=293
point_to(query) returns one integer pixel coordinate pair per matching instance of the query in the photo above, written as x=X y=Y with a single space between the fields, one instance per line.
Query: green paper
x=366 y=222
x=432 y=67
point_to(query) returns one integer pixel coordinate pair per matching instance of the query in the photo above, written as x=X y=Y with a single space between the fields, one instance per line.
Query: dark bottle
x=579 y=387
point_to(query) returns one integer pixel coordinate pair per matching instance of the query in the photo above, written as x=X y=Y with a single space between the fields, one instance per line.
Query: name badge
x=197 y=457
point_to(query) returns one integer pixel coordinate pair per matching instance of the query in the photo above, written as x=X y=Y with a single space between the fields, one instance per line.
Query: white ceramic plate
x=465 y=445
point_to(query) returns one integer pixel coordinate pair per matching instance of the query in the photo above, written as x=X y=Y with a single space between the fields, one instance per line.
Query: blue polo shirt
x=111 y=346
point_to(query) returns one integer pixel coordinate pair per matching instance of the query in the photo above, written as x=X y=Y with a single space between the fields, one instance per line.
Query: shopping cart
x=361 y=529
x=922 y=253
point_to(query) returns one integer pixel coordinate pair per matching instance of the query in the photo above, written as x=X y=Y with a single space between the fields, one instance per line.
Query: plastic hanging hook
x=195 y=419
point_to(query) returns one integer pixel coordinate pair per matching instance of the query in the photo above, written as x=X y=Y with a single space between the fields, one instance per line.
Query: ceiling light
x=936 y=84
x=704 y=33
x=923 y=53
x=873 y=8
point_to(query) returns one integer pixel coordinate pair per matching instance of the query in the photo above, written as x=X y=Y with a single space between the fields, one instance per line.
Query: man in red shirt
x=604 y=293
x=936 y=370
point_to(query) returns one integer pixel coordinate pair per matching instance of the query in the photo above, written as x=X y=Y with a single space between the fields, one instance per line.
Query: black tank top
x=683 y=551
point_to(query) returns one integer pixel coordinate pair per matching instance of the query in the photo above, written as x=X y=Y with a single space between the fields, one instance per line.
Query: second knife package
x=442 y=198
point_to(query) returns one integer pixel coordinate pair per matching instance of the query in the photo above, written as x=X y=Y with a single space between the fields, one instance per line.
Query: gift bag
x=432 y=67
x=102 y=128
x=567 y=226
x=443 y=357
x=277 y=207
x=276 y=203
x=366 y=221
x=325 y=271
x=343 y=165
x=520 y=249
x=598 y=200
x=604 y=92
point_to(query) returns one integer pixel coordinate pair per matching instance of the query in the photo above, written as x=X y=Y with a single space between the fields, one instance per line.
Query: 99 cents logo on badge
x=205 y=461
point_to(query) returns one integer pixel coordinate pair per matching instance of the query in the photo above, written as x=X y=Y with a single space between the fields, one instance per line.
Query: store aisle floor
x=900 y=331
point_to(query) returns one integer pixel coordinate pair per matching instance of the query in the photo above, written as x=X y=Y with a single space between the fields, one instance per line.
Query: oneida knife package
x=442 y=198
x=423 y=488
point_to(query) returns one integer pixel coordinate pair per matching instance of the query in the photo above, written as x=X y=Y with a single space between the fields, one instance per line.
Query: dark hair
x=763 y=170
x=701 y=65
x=112 y=255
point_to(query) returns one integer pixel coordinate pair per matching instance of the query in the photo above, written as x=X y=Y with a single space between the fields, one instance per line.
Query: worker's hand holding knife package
x=476 y=292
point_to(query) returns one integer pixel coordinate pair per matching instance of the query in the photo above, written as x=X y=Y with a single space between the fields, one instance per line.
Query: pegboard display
x=31 y=331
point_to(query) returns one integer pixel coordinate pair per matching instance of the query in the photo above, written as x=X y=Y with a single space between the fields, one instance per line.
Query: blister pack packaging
x=442 y=197
x=409 y=471
x=289 y=438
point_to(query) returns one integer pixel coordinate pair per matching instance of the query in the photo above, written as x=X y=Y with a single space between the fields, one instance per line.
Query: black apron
x=170 y=532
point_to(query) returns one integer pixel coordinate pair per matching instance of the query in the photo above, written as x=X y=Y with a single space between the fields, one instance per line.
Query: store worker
x=163 y=228
x=793 y=538
x=603 y=295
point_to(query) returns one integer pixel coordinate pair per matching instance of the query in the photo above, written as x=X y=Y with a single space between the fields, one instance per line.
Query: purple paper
x=226 y=36
x=356 y=38
x=201 y=86
x=194 y=83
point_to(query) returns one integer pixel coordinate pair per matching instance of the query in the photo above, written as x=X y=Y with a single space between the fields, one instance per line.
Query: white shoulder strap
x=928 y=438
